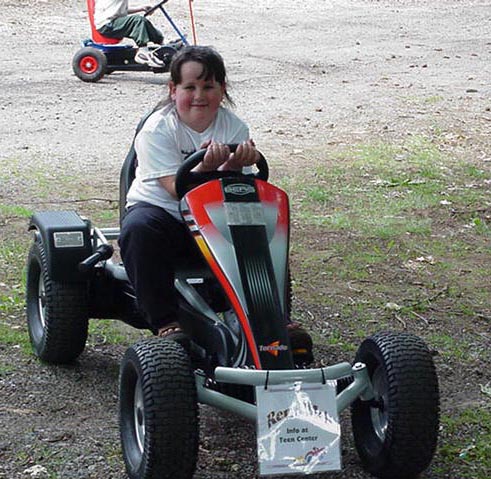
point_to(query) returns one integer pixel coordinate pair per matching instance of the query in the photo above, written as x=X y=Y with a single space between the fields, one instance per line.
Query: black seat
x=127 y=174
x=126 y=177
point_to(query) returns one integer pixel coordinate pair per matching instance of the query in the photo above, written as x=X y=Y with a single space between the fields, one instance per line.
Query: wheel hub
x=88 y=64
x=139 y=416
x=42 y=301
x=378 y=408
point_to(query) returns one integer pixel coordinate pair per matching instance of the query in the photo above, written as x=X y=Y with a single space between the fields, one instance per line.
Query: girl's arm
x=218 y=157
x=215 y=156
x=140 y=8
x=169 y=183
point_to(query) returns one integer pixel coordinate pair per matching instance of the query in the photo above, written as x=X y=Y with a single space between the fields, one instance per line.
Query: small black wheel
x=89 y=64
x=158 y=411
x=396 y=434
x=57 y=313
x=165 y=53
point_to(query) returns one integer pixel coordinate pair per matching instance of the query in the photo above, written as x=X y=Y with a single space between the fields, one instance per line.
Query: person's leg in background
x=141 y=31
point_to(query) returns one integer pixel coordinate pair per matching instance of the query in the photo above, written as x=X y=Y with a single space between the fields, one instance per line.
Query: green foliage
x=112 y=332
x=12 y=260
x=386 y=190
x=14 y=335
x=449 y=346
x=13 y=210
x=467 y=442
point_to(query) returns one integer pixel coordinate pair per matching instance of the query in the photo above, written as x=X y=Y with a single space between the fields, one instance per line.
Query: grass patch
x=17 y=211
x=47 y=181
x=106 y=331
x=450 y=347
x=106 y=217
x=386 y=190
x=12 y=284
x=15 y=335
x=467 y=443
x=6 y=369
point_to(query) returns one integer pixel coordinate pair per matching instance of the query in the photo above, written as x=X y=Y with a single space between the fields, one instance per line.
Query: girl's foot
x=174 y=332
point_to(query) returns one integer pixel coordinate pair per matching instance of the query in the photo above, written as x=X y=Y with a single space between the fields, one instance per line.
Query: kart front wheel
x=158 y=411
x=396 y=433
x=89 y=64
x=57 y=312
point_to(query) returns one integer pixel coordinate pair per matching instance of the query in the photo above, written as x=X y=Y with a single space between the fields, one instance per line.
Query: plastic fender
x=66 y=238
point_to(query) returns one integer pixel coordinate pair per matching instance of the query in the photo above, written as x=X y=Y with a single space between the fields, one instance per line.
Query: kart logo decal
x=273 y=348
x=239 y=189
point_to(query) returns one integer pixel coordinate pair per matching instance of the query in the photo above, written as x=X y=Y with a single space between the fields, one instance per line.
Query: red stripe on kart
x=229 y=291
x=269 y=193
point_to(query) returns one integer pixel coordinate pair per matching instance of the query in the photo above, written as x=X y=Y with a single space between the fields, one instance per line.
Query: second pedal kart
x=102 y=55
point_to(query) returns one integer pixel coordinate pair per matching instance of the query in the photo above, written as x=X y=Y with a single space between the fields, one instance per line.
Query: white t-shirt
x=162 y=146
x=107 y=10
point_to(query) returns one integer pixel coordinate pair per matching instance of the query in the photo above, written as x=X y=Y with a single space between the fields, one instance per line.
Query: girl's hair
x=213 y=68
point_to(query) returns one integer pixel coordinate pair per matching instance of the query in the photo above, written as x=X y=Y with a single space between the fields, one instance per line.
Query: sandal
x=174 y=332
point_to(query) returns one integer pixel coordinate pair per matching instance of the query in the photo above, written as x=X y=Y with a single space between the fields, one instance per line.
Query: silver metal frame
x=361 y=386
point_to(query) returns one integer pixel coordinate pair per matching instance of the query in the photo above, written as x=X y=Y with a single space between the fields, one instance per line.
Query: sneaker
x=155 y=62
x=142 y=55
x=301 y=344
x=146 y=57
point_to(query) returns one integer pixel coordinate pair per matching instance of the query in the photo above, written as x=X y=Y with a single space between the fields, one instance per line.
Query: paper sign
x=298 y=429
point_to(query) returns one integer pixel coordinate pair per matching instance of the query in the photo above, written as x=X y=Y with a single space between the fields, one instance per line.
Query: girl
x=153 y=238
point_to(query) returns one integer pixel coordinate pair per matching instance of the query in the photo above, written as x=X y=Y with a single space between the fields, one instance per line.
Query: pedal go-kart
x=234 y=307
x=102 y=55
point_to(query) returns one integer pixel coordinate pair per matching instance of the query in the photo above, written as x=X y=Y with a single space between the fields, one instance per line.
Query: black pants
x=152 y=244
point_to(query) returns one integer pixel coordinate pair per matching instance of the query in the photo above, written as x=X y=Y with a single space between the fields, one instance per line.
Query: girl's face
x=197 y=100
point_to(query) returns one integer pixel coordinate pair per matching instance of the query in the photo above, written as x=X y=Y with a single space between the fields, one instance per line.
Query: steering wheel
x=151 y=10
x=187 y=179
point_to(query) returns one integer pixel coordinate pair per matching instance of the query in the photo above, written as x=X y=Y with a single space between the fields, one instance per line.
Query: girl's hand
x=245 y=155
x=216 y=154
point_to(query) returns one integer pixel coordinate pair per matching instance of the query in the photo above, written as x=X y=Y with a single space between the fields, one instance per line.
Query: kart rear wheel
x=158 y=411
x=89 y=64
x=57 y=313
x=396 y=434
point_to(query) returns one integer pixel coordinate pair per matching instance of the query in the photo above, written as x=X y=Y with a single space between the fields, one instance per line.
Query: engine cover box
x=66 y=240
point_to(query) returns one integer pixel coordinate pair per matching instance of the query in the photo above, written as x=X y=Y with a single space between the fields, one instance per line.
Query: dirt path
x=312 y=74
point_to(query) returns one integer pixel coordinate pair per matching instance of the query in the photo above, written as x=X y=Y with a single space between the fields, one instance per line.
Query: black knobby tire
x=89 y=64
x=397 y=435
x=57 y=312
x=158 y=411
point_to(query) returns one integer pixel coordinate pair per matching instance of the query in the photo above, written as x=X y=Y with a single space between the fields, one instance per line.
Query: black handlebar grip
x=104 y=251
x=152 y=9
